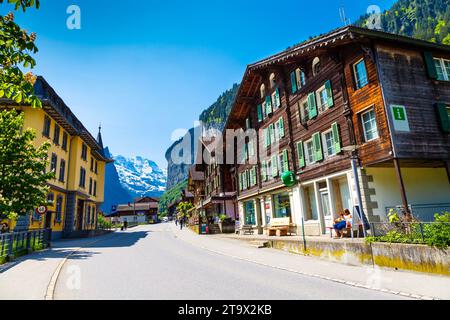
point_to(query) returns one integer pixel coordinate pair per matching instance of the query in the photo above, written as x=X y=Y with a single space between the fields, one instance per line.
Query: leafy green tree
x=183 y=208
x=16 y=47
x=23 y=178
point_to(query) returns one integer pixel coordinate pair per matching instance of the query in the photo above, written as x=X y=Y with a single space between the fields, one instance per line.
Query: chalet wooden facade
x=211 y=183
x=350 y=94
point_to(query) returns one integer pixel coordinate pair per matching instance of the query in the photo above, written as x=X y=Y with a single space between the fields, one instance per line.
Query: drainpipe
x=358 y=191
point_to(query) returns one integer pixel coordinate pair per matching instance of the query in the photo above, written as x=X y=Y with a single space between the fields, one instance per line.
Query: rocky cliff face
x=213 y=117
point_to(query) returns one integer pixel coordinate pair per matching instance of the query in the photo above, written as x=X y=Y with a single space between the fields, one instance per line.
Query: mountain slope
x=140 y=176
x=115 y=193
x=422 y=19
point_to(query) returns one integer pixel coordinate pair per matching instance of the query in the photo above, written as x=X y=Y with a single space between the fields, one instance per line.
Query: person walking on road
x=181 y=223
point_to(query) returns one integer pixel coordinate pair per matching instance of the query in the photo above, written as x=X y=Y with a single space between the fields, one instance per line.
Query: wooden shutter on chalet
x=300 y=154
x=429 y=63
x=264 y=170
x=244 y=179
x=294 y=82
x=240 y=182
x=271 y=133
x=336 y=138
x=268 y=105
x=285 y=161
x=281 y=127
x=330 y=101
x=274 y=163
x=443 y=115
x=266 y=137
x=254 y=175
x=277 y=98
x=312 y=106
x=317 y=143
x=260 y=113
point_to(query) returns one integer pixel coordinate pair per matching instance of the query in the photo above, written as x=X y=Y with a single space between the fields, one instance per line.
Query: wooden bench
x=248 y=229
x=279 y=226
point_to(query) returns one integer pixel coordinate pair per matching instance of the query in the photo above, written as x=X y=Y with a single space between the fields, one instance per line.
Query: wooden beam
x=401 y=184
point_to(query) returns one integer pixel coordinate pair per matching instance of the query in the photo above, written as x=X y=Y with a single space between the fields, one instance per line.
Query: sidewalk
x=28 y=277
x=414 y=285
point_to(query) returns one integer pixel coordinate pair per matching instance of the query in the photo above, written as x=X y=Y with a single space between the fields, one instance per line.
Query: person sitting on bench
x=341 y=223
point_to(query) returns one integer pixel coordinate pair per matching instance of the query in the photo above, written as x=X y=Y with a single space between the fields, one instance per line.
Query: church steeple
x=99 y=136
x=99 y=139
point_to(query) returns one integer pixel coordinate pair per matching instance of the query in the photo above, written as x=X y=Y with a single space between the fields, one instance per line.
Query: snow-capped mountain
x=140 y=176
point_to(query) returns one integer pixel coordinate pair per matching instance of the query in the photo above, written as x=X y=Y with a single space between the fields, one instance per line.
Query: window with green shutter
x=329 y=90
x=294 y=82
x=268 y=105
x=264 y=170
x=240 y=182
x=312 y=112
x=318 y=154
x=266 y=137
x=260 y=113
x=254 y=175
x=300 y=154
x=277 y=98
x=281 y=127
x=271 y=133
x=443 y=112
x=430 y=64
x=274 y=163
x=244 y=180
x=285 y=166
x=336 y=138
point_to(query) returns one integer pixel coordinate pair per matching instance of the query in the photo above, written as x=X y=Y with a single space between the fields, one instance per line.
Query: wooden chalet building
x=142 y=210
x=211 y=183
x=380 y=99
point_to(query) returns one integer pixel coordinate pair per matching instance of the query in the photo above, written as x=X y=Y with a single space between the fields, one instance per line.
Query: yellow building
x=78 y=160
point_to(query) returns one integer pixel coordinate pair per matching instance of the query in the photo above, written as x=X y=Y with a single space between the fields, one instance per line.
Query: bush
x=103 y=223
x=435 y=234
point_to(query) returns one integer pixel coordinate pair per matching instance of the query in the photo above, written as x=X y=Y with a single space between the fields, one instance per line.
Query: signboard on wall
x=399 y=118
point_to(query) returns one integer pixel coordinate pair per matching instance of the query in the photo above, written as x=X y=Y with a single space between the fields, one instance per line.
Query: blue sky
x=144 y=68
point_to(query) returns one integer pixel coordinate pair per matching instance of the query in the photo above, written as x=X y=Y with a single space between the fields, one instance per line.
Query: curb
x=347 y=283
x=50 y=292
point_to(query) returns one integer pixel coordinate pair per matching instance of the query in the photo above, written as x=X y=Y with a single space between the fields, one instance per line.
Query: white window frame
x=355 y=74
x=321 y=106
x=443 y=68
x=306 y=152
x=324 y=143
x=302 y=111
x=368 y=110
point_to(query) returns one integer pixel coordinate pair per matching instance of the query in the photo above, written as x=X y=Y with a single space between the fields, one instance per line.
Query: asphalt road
x=150 y=262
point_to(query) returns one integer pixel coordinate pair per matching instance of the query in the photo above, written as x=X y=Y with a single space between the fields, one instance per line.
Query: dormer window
x=316 y=66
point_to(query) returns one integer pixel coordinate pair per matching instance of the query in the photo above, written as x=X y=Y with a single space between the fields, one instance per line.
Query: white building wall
x=423 y=186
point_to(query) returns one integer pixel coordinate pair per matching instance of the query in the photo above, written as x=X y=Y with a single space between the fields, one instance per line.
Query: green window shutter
x=294 y=82
x=274 y=166
x=300 y=154
x=263 y=171
x=285 y=161
x=244 y=179
x=240 y=182
x=260 y=113
x=277 y=98
x=312 y=105
x=281 y=127
x=317 y=143
x=330 y=101
x=254 y=175
x=336 y=137
x=268 y=105
x=271 y=134
x=444 y=116
x=429 y=62
x=266 y=138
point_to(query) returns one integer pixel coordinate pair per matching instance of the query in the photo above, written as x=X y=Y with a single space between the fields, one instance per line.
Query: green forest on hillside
x=170 y=196
x=421 y=19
